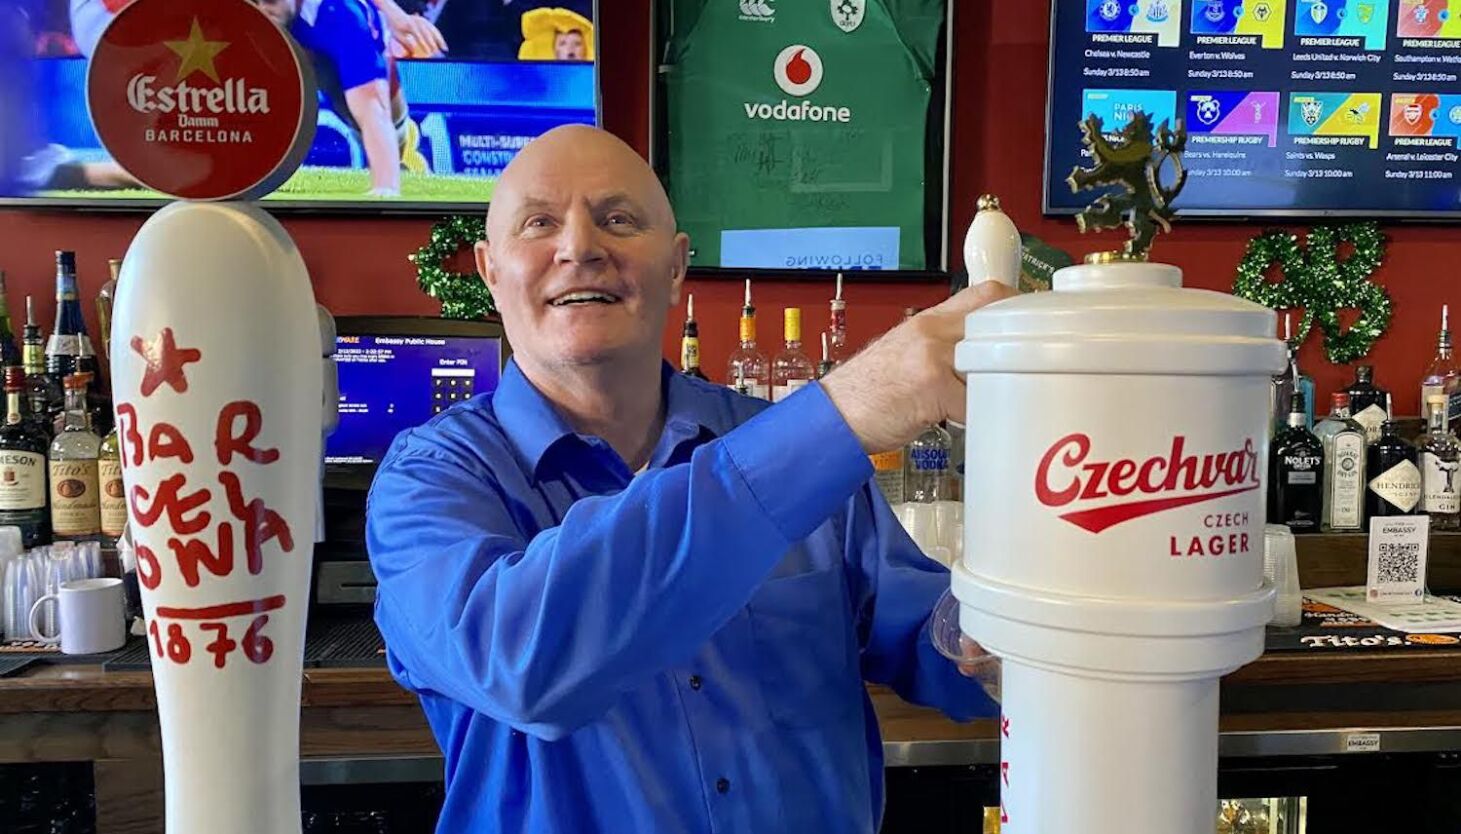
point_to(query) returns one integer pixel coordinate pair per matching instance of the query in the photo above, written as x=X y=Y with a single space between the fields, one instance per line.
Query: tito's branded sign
x=201 y=99
x=1096 y=494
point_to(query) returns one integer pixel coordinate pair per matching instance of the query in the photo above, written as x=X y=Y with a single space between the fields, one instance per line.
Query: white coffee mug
x=89 y=616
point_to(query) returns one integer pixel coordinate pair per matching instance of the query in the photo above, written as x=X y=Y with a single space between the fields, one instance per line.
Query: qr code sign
x=1399 y=562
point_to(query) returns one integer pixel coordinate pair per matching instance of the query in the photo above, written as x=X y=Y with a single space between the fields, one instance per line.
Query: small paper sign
x=1397 y=558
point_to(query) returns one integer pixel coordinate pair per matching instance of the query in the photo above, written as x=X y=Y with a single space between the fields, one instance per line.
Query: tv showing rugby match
x=422 y=103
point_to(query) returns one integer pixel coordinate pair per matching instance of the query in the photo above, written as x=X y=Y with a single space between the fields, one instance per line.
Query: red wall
x=1000 y=53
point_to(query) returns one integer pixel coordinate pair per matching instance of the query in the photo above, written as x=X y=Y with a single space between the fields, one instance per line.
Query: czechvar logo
x=798 y=72
x=1099 y=494
x=201 y=99
x=197 y=105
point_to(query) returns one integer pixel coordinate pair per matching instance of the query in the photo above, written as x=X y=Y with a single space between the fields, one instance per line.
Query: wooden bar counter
x=358 y=722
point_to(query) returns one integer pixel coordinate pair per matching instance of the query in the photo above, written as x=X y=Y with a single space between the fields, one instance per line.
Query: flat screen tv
x=1292 y=107
x=461 y=106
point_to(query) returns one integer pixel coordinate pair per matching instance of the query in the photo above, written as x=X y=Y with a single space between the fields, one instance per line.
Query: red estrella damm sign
x=201 y=99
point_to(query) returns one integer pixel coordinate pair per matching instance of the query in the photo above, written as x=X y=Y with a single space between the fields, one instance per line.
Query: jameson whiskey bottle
x=1368 y=403
x=75 y=494
x=1344 y=468
x=23 y=467
x=1394 y=487
x=690 y=342
x=1440 y=486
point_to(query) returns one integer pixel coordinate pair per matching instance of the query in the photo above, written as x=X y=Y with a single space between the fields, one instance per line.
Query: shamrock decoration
x=1318 y=280
x=463 y=295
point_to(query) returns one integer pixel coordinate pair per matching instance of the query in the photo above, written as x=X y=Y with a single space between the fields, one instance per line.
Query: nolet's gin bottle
x=1296 y=464
x=1344 y=468
x=926 y=472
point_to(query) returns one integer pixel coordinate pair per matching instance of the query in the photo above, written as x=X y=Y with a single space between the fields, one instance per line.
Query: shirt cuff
x=800 y=460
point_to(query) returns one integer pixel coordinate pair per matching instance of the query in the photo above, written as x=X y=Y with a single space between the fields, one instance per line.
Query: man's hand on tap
x=905 y=381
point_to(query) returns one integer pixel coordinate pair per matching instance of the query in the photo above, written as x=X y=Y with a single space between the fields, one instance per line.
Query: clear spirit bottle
x=927 y=466
x=75 y=493
x=1368 y=402
x=1440 y=457
x=44 y=399
x=748 y=363
x=791 y=369
x=23 y=447
x=113 y=495
x=1443 y=376
x=1344 y=468
x=1296 y=467
x=838 y=350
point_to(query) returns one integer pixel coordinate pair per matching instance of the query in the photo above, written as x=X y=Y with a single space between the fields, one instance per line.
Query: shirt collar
x=534 y=426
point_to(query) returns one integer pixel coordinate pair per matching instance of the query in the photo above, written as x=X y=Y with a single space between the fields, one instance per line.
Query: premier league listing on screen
x=465 y=84
x=1298 y=107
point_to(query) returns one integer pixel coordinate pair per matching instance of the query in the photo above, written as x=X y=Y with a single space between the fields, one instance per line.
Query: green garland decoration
x=1317 y=280
x=463 y=295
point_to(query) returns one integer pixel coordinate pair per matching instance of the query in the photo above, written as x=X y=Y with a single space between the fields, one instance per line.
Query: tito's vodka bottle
x=1296 y=465
x=1439 y=460
x=23 y=466
x=1394 y=487
x=1344 y=468
x=791 y=369
x=748 y=363
x=75 y=492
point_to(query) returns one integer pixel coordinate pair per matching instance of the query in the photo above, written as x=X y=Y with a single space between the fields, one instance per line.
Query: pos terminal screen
x=389 y=383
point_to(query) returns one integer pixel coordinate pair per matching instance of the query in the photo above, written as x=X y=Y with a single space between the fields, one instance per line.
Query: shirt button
x=695 y=682
x=722 y=785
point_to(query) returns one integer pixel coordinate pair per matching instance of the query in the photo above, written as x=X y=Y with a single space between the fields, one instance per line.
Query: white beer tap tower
x=219 y=391
x=1114 y=517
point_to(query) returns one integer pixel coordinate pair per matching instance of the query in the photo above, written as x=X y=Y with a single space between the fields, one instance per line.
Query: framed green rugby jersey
x=804 y=134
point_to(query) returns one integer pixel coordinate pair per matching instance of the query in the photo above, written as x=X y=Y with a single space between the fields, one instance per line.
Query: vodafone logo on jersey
x=798 y=70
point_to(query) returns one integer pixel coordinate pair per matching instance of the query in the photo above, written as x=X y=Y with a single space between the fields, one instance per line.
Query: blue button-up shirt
x=682 y=650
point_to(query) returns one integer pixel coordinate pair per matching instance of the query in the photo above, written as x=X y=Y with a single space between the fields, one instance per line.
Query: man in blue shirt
x=634 y=601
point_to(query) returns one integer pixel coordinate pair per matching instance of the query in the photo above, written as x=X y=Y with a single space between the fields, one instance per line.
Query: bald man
x=634 y=601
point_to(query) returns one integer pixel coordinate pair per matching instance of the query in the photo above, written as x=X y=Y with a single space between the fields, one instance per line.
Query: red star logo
x=165 y=361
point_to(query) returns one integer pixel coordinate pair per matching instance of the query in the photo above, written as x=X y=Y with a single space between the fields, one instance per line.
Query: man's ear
x=680 y=266
x=483 y=252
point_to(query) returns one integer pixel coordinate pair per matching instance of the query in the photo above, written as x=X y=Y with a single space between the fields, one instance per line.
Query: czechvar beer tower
x=1114 y=553
x=220 y=396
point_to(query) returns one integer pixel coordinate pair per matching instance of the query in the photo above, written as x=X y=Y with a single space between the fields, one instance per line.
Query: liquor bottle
x=75 y=495
x=1368 y=403
x=888 y=475
x=44 y=399
x=1295 y=471
x=104 y=301
x=1291 y=381
x=838 y=349
x=927 y=466
x=791 y=369
x=23 y=447
x=747 y=362
x=740 y=384
x=9 y=353
x=826 y=365
x=69 y=348
x=690 y=343
x=1444 y=375
x=1394 y=487
x=112 y=494
x=1440 y=457
x=1344 y=468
